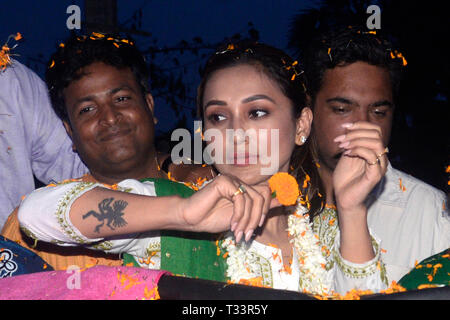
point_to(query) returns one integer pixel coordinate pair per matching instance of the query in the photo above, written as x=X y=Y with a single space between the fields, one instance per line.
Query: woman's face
x=255 y=130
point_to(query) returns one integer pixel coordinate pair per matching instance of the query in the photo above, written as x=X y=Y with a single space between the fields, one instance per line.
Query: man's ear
x=303 y=126
x=151 y=106
x=69 y=132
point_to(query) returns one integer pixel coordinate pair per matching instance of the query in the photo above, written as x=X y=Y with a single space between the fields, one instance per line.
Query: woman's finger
x=232 y=191
x=257 y=210
x=264 y=191
x=243 y=221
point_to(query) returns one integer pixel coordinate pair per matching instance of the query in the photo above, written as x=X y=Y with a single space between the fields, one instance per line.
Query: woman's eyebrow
x=257 y=97
x=215 y=102
x=246 y=100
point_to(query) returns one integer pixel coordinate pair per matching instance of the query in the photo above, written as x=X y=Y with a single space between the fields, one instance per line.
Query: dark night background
x=176 y=37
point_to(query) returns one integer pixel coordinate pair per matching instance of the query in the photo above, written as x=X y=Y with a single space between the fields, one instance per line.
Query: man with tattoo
x=99 y=88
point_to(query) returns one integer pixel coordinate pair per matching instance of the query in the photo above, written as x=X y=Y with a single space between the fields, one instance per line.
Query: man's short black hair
x=348 y=45
x=80 y=51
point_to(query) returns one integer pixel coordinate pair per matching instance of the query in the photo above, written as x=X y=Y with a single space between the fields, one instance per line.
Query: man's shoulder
x=404 y=180
x=17 y=71
x=399 y=188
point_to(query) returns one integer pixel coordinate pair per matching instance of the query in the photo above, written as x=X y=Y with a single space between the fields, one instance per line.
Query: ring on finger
x=385 y=151
x=375 y=162
x=241 y=189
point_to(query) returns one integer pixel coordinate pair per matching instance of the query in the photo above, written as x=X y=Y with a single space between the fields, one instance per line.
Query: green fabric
x=186 y=253
x=128 y=260
x=436 y=266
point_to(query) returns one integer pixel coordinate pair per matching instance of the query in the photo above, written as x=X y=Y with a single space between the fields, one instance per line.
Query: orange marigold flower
x=200 y=181
x=152 y=294
x=402 y=187
x=305 y=182
x=426 y=286
x=287 y=269
x=285 y=187
x=256 y=281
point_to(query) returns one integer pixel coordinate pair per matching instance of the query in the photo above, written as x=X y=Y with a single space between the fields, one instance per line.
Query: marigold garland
x=285 y=188
x=314 y=278
x=355 y=294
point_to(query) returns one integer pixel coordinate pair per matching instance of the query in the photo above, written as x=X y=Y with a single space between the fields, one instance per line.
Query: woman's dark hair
x=344 y=46
x=285 y=72
x=79 y=51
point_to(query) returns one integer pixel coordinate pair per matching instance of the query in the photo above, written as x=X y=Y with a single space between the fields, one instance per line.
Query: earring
x=303 y=139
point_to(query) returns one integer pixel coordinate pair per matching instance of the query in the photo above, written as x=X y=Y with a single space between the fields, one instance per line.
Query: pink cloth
x=96 y=283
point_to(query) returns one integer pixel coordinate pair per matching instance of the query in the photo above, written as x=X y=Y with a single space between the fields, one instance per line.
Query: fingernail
x=347 y=125
x=344 y=144
x=261 y=222
x=248 y=235
x=233 y=226
x=340 y=138
x=239 y=236
x=347 y=152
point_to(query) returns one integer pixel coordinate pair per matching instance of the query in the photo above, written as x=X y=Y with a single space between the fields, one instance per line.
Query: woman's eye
x=257 y=113
x=216 y=117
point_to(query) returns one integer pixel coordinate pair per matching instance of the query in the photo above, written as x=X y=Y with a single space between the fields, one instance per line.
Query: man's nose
x=110 y=115
x=361 y=115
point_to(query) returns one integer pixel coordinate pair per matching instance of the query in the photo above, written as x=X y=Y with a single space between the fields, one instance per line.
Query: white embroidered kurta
x=44 y=215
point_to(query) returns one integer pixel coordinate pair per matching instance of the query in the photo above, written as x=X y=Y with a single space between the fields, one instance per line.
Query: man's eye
x=86 y=109
x=121 y=99
x=379 y=112
x=339 y=110
x=257 y=113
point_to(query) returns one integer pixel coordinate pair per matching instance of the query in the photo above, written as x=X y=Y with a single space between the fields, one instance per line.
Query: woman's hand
x=220 y=207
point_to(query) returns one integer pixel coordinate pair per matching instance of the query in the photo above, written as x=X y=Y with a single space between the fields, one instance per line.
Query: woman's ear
x=303 y=126
x=69 y=132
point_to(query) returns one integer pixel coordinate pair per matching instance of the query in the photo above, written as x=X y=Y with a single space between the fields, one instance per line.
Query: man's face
x=355 y=92
x=111 y=122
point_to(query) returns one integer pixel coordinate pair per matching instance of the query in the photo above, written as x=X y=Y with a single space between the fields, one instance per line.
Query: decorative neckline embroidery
x=314 y=278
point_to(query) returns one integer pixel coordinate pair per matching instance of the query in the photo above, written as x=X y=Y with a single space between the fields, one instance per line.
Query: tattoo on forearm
x=113 y=215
